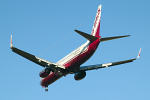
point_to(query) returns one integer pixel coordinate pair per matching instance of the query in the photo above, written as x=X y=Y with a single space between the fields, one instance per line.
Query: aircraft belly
x=50 y=79
x=75 y=63
x=72 y=64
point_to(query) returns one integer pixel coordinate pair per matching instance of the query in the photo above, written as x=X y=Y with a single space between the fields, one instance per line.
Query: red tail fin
x=96 y=26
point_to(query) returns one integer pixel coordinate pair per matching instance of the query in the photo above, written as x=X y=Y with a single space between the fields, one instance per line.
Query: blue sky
x=45 y=28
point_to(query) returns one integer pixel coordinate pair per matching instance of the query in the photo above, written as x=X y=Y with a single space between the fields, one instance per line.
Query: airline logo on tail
x=96 y=26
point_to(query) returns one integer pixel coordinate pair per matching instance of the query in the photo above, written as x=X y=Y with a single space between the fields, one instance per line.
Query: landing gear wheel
x=46 y=89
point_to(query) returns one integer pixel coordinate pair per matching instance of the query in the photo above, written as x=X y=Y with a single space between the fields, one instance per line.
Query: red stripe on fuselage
x=73 y=64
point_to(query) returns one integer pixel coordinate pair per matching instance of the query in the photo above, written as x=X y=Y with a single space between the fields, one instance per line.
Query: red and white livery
x=71 y=64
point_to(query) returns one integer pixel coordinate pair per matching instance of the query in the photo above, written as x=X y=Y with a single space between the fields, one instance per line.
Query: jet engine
x=80 y=75
x=44 y=73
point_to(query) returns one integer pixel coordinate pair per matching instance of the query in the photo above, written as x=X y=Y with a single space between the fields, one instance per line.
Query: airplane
x=71 y=64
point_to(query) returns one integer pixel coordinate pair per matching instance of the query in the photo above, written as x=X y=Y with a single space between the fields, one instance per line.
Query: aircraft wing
x=98 y=66
x=35 y=59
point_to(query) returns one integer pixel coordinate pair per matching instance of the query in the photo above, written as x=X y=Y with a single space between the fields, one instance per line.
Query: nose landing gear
x=46 y=88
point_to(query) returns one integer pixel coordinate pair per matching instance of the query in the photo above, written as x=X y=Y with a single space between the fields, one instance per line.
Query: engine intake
x=44 y=73
x=80 y=75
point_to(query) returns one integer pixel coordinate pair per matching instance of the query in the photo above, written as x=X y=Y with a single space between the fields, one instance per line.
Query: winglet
x=11 y=42
x=139 y=53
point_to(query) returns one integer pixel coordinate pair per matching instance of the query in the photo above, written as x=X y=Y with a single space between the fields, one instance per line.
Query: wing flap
x=28 y=56
x=35 y=59
x=98 y=66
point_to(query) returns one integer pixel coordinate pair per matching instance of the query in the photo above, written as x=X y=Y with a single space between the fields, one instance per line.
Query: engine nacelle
x=44 y=73
x=80 y=75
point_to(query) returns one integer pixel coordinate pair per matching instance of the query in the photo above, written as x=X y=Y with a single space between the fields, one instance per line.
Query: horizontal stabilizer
x=87 y=36
x=112 y=38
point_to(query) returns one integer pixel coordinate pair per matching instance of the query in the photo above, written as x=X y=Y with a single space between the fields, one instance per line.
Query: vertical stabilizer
x=96 y=26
